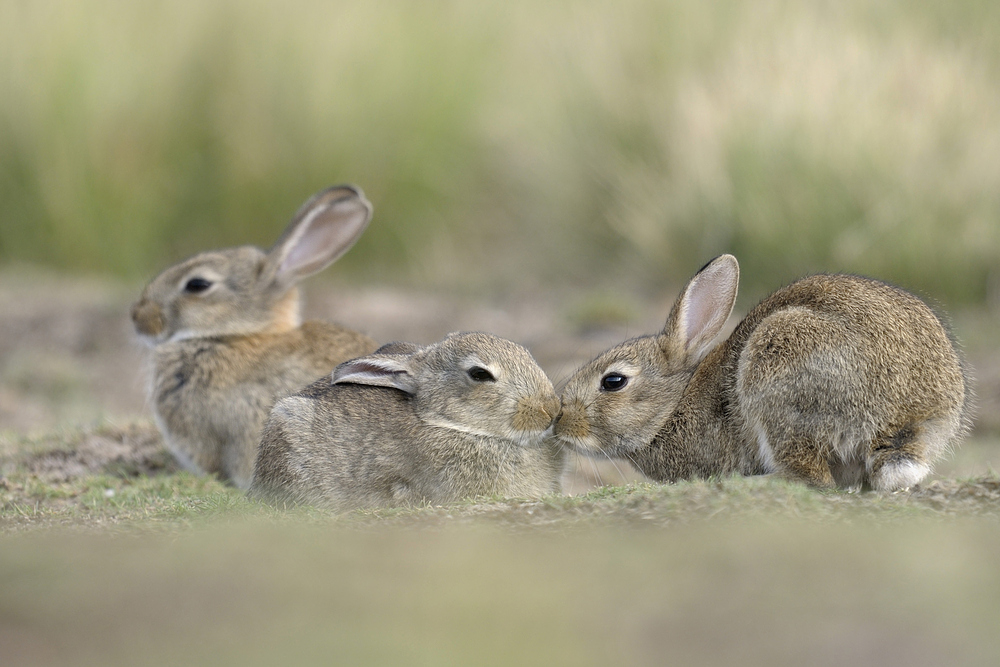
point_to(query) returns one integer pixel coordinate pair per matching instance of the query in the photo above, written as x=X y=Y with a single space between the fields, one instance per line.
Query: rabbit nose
x=572 y=421
x=148 y=318
x=535 y=414
x=552 y=409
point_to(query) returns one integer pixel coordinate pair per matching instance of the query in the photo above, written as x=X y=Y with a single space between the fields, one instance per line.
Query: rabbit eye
x=613 y=382
x=196 y=285
x=480 y=374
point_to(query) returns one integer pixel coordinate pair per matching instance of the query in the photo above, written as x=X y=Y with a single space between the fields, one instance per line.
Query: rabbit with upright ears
x=834 y=380
x=227 y=337
x=468 y=416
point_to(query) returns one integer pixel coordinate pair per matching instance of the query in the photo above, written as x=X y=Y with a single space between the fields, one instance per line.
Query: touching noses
x=536 y=413
x=572 y=420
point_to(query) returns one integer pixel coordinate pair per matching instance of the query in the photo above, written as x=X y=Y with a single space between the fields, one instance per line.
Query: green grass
x=120 y=477
x=595 y=144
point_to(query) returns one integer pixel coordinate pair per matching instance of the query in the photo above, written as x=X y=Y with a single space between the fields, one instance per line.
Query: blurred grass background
x=776 y=593
x=513 y=143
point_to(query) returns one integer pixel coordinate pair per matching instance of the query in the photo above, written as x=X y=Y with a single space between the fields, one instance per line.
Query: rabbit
x=227 y=337
x=470 y=415
x=834 y=381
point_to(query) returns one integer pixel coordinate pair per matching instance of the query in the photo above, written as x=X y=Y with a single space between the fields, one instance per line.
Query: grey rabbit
x=834 y=380
x=470 y=415
x=227 y=337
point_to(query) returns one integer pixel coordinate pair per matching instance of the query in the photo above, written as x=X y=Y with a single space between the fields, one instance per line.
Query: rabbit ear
x=322 y=230
x=703 y=308
x=378 y=370
x=401 y=348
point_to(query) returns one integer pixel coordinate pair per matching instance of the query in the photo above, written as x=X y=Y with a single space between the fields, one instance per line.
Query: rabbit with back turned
x=227 y=338
x=470 y=415
x=834 y=380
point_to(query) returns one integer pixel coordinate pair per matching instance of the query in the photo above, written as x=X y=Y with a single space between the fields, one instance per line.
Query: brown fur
x=409 y=425
x=223 y=354
x=832 y=380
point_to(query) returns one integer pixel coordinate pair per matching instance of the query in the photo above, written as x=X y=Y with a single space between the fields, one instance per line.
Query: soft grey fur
x=834 y=380
x=221 y=355
x=409 y=425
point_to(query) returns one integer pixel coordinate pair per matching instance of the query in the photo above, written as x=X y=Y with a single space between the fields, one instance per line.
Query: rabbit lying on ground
x=832 y=380
x=467 y=416
x=227 y=337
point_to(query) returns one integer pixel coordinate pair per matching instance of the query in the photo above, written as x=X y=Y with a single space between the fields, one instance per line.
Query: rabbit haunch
x=227 y=336
x=832 y=380
x=470 y=415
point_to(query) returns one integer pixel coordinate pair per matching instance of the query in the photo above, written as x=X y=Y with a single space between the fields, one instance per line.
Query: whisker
x=596 y=470
x=631 y=460
x=608 y=457
x=496 y=482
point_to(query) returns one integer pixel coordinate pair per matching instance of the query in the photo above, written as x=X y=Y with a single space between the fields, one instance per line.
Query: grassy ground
x=112 y=477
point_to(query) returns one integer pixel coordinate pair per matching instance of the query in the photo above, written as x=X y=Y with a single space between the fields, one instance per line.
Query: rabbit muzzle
x=148 y=318
x=571 y=425
x=536 y=414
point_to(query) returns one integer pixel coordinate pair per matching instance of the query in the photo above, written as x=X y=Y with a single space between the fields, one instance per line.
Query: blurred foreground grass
x=109 y=556
x=440 y=587
x=562 y=142
x=778 y=593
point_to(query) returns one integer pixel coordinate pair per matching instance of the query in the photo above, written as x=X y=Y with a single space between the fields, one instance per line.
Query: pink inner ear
x=320 y=243
x=362 y=367
x=708 y=302
x=380 y=372
x=702 y=309
x=322 y=235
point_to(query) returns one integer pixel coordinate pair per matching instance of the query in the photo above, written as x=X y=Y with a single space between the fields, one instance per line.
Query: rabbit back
x=312 y=452
x=348 y=445
x=843 y=380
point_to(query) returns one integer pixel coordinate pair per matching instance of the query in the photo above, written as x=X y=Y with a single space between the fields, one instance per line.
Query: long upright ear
x=377 y=370
x=322 y=230
x=702 y=309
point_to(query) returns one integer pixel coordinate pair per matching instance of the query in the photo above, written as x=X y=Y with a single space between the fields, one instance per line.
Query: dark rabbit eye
x=196 y=285
x=480 y=374
x=613 y=382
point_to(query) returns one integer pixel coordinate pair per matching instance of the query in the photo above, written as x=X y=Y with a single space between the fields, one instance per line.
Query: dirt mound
x=126 y=451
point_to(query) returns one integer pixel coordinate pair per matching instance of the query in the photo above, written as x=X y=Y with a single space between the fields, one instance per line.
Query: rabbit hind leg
x=899 y=459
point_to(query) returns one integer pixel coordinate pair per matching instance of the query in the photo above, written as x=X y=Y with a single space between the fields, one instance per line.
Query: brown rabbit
x=227 y=337
x=470 y=415
x=832 y=380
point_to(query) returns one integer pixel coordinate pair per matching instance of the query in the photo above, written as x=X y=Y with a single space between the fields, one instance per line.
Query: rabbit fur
x=468 y=416
x=227 y=337
x=834 y=380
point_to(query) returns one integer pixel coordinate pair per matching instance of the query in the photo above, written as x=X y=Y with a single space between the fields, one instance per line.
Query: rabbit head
x=618 y=402
x=475 y=383
x=244 y=290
